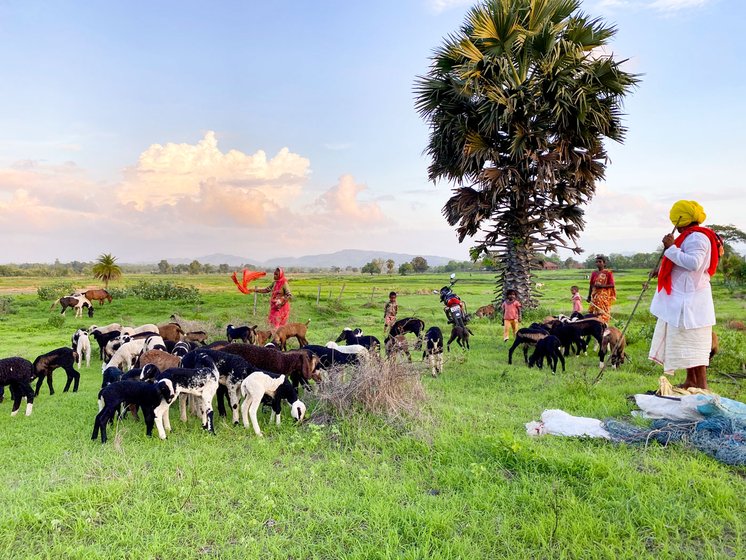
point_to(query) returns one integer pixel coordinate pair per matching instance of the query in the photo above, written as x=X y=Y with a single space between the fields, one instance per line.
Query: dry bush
x=382 y=387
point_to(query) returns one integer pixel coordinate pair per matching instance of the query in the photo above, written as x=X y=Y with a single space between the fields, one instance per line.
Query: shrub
x=7 y=306
x=56 y=321
x=55 y=291
x=164 y=290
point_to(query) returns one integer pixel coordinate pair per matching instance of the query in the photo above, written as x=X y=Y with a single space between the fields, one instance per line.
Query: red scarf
x=716 y=250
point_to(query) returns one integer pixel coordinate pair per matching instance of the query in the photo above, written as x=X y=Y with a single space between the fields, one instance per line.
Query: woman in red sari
x=602 y=292
x=279 y=303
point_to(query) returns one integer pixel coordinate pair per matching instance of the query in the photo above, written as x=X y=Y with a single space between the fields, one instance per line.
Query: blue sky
x=177 y=129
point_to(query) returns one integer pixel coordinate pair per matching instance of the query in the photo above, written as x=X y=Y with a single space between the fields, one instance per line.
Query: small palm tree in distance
x=106 y=269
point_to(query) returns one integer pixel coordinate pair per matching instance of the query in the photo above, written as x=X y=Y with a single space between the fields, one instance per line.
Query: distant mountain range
x=348 y=257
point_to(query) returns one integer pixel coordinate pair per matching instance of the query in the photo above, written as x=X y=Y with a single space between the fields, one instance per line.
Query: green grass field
x=461 y=480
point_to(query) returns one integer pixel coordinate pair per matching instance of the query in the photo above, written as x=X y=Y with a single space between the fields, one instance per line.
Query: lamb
x=262 y=337
x=434 y=349
x=260 y=385
x=613 y=341
x=153 y=398
x=202 y=382
x=548 y=347
x=82 y=347
x=171 y=331
x=298 y=365
x=351 y=336
x=77 y=302
x=149 y=328
x=245 y=334
x=111 y=375
x=162 y=360
x=126 y=355
x=526 y=337
x=154 y=342
x=18 y=374
x=330 y=357
x=348 y=349
x=568 y=336
x=45 y=365
x=103 y=335
x=397 y=345
x=290 y=330
x=232 y=368
x=460 y=335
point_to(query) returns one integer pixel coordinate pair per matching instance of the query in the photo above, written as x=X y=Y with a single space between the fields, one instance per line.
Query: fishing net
x=720 y=437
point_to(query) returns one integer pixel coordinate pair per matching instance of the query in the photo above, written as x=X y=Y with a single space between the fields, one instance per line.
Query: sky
x=167 y=129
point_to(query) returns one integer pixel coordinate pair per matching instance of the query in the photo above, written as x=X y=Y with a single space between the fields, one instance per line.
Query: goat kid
x=260 y=386
x=434 y=349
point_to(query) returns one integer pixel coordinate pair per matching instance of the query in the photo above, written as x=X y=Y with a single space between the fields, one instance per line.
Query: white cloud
x=439 y=6
x=667 y=6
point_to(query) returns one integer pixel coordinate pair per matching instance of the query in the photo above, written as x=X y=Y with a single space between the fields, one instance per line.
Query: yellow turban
x=684 y=212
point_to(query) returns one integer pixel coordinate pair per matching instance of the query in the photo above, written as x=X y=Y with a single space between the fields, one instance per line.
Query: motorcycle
x=454 y=306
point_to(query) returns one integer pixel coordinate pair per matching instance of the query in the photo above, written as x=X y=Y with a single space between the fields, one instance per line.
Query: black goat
x=63 y=358
x=434 y=349
x=526 y=337
x=329 y=357
x=244 y=334
x=408 y=325
x=460 y=335
x=548 y=347
x=18 y=374
x=356 y=336
x=152 y=398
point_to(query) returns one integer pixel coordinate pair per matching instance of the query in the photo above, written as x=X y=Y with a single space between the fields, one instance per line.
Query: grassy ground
x=460 y=481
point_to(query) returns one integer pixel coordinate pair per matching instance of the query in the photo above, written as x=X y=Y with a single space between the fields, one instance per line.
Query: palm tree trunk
x=516 y=270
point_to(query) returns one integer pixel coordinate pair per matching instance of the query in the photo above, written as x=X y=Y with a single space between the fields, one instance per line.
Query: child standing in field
x=389 y=313
x=511 y=308
x=577 y=301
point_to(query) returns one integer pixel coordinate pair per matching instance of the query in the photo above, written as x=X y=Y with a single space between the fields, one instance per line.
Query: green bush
x=164 y=290
x=55 y=291
x=56 y=321
x=7 y=306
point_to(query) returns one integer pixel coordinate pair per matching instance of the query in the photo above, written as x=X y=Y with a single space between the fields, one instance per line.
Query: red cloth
x=248 y=276
x=279 y=307
x=716 y=250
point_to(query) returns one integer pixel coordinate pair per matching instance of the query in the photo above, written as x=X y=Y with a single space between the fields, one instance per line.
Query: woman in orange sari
x=279 y=303
x=602 y=292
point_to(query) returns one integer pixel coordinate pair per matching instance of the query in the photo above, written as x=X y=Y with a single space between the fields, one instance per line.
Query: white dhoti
x=678 y=348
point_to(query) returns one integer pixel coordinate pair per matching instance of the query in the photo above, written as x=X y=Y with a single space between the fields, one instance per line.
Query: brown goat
x=715 y=345
x=613 y=341
x=200 y=337
x=163 y=360
x=262 y=337
x=486 y=311
x=297 y=330
x=170 y=331
x=298 y=365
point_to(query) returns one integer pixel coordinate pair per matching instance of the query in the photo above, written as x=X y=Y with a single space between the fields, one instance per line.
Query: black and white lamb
x=18 y=374
x=355 y=336
x=152 y=398
x=82 y=347
x=45 y=365
x=270 y=388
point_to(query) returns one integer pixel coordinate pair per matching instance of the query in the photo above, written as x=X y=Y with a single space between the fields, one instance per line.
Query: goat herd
x=146 y=367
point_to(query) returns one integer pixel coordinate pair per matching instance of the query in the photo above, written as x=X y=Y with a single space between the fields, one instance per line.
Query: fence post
x=318 y=296
x=372 y=293
x=255 y=303
x=340 y=292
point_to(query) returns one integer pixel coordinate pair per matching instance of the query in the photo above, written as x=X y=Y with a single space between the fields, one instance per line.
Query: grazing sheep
x=330 y=357
x=290 y=330
x=434 y=349
x=18 y=374
x=103 y=335
x=460 y=335
x=162 y=360
x=154 y=342
x=244 y=334
x=82 y=347
x=299 y=366
x=548 y=347
x=262 y=385
x=171 y=331
x=45 y=365
x=568 y=336
x=111 y=375
x=153 y=398
x=126 y=355
x=355 y=336
x=201 y=382
x=348 y=349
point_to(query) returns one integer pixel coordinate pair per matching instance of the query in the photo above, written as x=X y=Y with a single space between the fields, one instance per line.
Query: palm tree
x=519 y=101
x=106 y=269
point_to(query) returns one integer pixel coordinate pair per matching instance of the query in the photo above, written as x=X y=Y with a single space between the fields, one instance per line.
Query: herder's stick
x=642 y=293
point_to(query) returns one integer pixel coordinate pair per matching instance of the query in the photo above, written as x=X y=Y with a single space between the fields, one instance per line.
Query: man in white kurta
x=683 y=333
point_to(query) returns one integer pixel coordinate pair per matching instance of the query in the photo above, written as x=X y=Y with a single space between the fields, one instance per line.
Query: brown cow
x=98 y=295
